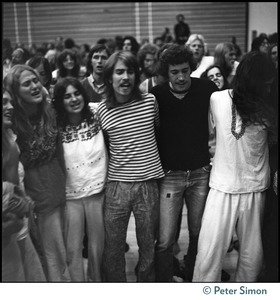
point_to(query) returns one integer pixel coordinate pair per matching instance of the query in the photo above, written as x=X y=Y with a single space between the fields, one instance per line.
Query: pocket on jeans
x=111 y=190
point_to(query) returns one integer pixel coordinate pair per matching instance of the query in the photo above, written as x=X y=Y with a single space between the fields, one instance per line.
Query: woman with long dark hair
x=244 y=121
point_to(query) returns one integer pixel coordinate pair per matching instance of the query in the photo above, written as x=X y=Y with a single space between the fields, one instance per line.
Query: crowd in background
x=67 y=110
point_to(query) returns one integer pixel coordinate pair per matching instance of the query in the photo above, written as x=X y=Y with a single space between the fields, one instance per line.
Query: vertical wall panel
x=86 y=22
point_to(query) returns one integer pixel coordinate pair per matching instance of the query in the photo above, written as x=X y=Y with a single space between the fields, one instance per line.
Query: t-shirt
x=130 y=129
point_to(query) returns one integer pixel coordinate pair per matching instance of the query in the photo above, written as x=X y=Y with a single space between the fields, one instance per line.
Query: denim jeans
x=193 y=186
x=122 y=198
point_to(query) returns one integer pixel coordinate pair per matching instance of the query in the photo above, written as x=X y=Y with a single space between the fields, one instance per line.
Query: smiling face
x=216 y=76
x=8 y=109
x=179 y=77
x=30 y=88
x=123 y=80
x=68 y=62
x=73 y=101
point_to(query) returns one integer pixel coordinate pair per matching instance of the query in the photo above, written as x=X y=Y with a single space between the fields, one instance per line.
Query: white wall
x=262 y=17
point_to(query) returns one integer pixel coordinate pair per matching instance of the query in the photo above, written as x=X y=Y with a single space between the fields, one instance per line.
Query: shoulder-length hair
x=193 y=37
x=130 y=61
x=58 y=101
x=61 y=69
x=251 y=90
x=134 y=44
x=21 y=121
x=144 y=50
x=221 y=50
x=36 y=61
x=175 y=55
x=205 y=75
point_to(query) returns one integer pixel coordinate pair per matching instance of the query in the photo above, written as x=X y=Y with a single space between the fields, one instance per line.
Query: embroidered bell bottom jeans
x=122 y=198
x=193 y=186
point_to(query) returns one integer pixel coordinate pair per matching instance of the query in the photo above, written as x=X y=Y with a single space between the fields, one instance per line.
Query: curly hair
x=144 y=50
x=61 y=57
x=58 y=102
x=21 y=120
x=130 y=60
x=134 y=43
x=175 y=55
x=251 y=90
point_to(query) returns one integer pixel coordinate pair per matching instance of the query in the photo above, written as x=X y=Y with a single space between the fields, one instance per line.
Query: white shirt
x=239 y=165
x=206 y=62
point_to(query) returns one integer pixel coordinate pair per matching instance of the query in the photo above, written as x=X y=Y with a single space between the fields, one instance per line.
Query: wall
x=262 y=18
x=86 y=22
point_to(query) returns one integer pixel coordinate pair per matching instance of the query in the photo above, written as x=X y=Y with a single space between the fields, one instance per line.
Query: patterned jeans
x=122 y=198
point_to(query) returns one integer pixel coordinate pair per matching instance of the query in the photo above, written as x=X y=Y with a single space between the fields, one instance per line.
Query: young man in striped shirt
x=129 y=121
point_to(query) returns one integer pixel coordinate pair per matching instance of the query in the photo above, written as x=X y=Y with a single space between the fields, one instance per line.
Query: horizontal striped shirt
x=130 y=129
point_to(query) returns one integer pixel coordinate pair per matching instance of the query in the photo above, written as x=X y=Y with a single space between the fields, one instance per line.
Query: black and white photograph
x=140 y=150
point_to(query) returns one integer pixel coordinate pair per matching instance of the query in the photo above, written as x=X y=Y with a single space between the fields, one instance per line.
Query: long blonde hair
x=21 y=120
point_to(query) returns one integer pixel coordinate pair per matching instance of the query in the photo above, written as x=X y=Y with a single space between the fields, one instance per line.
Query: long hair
x=130 y=61
x=205 y=76
x=21 y=121
x=59 y=91
x=61 y=57
x=6 y=143
x=251 y=90
x=144 y=50
x=193 y=37
x=36 y=61
x=221 y=50
x=175 y=55
x=134 y=44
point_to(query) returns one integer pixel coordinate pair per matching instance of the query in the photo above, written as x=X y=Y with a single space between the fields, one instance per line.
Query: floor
x=132 y=255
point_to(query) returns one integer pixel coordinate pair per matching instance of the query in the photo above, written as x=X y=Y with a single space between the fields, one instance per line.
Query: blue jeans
x=122 y=198
x=193 y=186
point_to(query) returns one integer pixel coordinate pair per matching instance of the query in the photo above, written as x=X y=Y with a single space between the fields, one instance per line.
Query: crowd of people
x=91 y=135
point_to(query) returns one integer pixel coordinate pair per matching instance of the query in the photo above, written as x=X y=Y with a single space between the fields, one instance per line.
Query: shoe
x=225 y=276
x=126 y=247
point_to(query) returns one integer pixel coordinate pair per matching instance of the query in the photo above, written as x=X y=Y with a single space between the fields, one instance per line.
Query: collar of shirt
x=97 y=88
